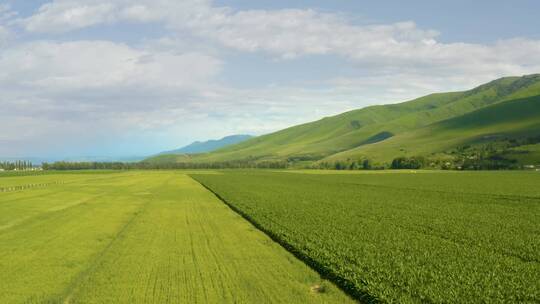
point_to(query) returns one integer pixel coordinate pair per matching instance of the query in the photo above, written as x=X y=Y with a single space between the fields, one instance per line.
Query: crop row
x=391 y=238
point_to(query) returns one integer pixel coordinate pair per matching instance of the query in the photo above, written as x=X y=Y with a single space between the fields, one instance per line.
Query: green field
x=402 y=236
x=162 y=237
x=139 y=237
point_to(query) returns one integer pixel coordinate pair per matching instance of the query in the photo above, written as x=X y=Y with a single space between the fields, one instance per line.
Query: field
x=162 y=237
x=402 y=237
x=139 y=237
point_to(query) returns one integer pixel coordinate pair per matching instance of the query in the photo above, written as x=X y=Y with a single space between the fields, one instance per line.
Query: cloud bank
x=61 y=84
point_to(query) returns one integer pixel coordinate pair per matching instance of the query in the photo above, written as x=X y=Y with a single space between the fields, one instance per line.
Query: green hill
x=503 y=126
x=426 y=126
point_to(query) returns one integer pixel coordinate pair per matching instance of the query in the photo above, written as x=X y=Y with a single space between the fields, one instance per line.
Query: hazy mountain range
x=209 y=145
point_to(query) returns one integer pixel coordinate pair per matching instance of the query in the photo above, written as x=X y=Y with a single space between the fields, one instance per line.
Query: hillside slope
x=345 y=135
x=499 y=123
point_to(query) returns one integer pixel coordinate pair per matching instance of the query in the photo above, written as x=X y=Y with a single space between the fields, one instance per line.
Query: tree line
x=493 y=162
x=62 y=165
x=16 y=165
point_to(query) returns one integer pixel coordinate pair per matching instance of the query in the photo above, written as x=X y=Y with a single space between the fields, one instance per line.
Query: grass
x=402 y=237
x=140 y=237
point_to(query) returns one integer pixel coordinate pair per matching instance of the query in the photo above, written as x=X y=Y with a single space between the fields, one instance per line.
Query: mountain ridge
x=342 y=136
x=209 y=145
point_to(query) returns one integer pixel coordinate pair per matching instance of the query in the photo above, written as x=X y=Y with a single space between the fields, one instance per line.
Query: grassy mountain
x=209 y=145
x=496 y=124
x=436 y=121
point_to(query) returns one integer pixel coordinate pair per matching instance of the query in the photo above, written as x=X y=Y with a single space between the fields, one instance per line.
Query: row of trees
x=408 y=163
x=495 y=155
x=480 y=162
x=338 y=165
x=16 y=165
x=149 y=166
x=489 y=162
x=365 y=164
x=492 y=162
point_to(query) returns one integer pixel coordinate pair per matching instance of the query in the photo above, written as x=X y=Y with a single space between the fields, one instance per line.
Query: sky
x=121 y=78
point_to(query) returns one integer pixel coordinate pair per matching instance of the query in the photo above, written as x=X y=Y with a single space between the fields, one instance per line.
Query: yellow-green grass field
x=139 y=237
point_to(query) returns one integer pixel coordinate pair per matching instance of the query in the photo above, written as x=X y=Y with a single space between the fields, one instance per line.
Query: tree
x=366 y=164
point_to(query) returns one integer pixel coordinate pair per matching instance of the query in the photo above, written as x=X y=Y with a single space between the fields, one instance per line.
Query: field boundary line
x=324 y=272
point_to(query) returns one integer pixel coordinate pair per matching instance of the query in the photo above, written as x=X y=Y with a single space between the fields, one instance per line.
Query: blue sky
x=134 y=77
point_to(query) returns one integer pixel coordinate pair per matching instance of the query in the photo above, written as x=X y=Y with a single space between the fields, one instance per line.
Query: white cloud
x=5 y=34
x=67 y=15
x=96 y=87
x=96 y=64
x=289 y=33
x=63 y=16
x=6 y=14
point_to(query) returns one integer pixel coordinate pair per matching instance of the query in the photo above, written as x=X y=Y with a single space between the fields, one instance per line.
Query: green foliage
x=429 y=237
x=19 y=165
x=499 y=153
x=407 y=163
x=366 y=164
x=349 y=164
x=162 y=165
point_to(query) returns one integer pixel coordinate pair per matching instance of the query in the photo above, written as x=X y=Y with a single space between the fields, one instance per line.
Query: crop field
x=140 y=237
x=402 y=237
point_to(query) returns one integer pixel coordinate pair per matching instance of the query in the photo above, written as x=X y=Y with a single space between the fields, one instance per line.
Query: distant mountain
x=502 y=113
x=209 y=145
